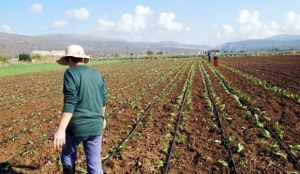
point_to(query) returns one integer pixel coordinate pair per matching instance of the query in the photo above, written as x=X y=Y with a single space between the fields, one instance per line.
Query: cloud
x=188 y=29
x=128 y=22
x=79 y=14
x=138 y=22
x=274 y=24
x=36 y=8
x=249 y=26
x=105 y=25
x=5 y=27
x=60 y=24
x=135 y=22
x=227 y=31
x=292 y=23
x=166 y=23
x=290 y=16
x=250 y=19
x=56 y=24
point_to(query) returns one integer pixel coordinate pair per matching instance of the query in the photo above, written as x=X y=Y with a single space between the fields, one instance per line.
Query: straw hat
x=73 y=51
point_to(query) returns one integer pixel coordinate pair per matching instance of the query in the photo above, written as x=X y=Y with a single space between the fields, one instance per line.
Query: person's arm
x=60 y=135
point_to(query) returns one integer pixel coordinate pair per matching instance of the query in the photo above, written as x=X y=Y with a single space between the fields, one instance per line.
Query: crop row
x=168 y=116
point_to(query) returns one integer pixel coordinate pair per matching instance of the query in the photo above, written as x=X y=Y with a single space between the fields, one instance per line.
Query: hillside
x=278 y=42
x=12 y=45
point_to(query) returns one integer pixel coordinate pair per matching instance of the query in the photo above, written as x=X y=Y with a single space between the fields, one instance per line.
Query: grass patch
x=27 y=68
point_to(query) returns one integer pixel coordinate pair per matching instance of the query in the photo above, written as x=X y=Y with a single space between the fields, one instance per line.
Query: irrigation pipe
x=177 y=125
x=263 y=120
x=220 y=122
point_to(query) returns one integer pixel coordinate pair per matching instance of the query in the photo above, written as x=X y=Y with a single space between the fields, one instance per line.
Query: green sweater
x=84 y=96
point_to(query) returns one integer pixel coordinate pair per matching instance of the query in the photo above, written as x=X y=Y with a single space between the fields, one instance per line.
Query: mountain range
x=278 y=42
x=12 y=44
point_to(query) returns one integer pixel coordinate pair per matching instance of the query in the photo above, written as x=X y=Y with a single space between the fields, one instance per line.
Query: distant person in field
x=83 y=112
x=216 y=55
x=209 y=56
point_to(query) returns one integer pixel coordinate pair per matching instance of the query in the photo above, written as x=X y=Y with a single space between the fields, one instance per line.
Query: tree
x=24 y=57
x=149 y=52
x=160 y=53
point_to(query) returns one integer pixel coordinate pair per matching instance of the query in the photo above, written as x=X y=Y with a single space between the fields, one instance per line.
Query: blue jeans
x=92 y=148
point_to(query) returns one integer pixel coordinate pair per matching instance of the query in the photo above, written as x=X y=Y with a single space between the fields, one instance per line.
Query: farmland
x=166 y=116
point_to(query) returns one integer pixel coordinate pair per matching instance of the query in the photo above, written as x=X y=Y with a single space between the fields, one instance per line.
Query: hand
x=59 y=139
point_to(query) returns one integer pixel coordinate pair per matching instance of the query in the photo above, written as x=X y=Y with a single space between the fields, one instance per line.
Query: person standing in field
x=83 y=112
x=209 y=56
x=216 y=55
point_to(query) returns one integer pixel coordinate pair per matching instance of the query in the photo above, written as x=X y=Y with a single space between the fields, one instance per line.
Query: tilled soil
x=150 y=102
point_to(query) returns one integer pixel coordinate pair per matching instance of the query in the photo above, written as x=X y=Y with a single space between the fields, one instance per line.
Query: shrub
x=25 y=57
x=36 y=57
x=160 y=53
x=149 y=52
x=4 y=59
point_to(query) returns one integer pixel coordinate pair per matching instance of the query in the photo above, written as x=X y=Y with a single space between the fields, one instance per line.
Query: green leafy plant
x=177 y=154
x=289 y=172
x=81 y=170
x=222 y=162
x=167 y=138
x=112 y=149
x=160 y=164
x=242 y=163
x=121 y=148
x=295 y=147
x=181 y=138
x=280 y=154
x=248 y=113
x=240 y=148
x=178 y=167
x=165 y=149
x=265 y=133
x=277 y=127
x=259 y=124
x=232 y=138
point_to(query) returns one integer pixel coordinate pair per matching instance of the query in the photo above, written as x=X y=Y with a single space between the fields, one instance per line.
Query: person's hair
x=74 y=59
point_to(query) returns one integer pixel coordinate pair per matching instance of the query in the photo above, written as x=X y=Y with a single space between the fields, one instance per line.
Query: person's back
x=88 y=84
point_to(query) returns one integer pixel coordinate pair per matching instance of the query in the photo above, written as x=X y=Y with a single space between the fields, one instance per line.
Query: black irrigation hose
x=263 y=120
x=221 y=125
x=129 y=135
x=123 y=104
x=177 y=125
x=133 y=130
x=27 y=148
x=27 y=129
x=16 y=104
x=32 y=115
x=274 y=135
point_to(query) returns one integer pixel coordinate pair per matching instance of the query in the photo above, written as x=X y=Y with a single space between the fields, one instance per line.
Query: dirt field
x=152 y=103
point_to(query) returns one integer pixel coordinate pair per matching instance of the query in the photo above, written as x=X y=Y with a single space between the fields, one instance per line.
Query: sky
x=200 y=22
